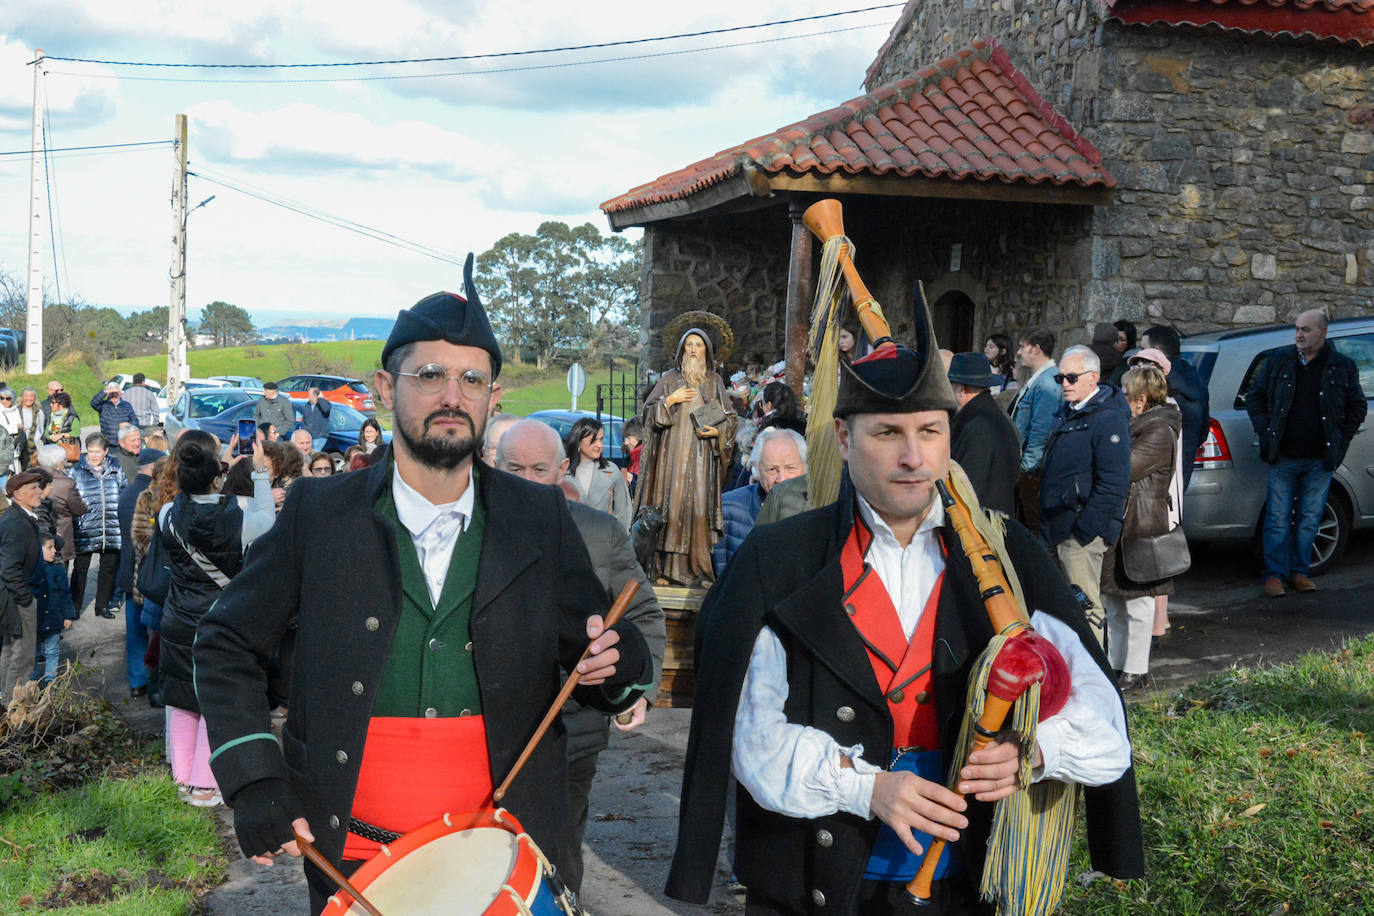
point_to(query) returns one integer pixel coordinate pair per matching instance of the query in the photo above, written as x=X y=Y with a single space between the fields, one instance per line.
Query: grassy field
x=525 y=389
x=125 y=847
x=1255 y=795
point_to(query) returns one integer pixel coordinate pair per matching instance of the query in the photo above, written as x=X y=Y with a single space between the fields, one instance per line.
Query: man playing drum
x=430 y=600
x=833 y=661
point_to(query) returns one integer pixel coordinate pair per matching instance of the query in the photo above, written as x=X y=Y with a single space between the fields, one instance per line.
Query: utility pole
x=177 y=370
x=33 y=336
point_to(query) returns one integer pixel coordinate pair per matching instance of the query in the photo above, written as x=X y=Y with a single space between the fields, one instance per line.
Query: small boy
x=53 y=592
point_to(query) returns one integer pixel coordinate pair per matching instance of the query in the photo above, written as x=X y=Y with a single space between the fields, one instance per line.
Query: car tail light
x=1213 y=452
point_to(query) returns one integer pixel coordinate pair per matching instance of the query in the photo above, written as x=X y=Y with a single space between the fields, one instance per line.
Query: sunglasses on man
x=1070 y=377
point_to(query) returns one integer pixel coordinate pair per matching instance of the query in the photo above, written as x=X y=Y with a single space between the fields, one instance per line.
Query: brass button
x=817 y=897
x=923 y=697
x=897 y=696
x=431 y=713
x=333 y=822
x=851 y=610
x=341 y=757
x=357 y=688
x=845 y=714
x=371 y=623
x=468 y=647
x=435 y=645
x=824 y=839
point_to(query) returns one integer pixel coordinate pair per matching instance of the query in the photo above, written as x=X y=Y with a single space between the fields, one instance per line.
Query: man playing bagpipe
x=834 y=664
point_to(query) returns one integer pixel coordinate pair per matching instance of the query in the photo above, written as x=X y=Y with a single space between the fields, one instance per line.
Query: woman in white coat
x=599 y=481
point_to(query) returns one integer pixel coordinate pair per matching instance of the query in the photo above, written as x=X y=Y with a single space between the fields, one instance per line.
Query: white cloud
x=71 y=102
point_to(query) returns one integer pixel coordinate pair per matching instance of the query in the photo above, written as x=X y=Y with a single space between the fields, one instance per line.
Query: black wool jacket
x=330 y=564
x=987 y=446
x=788 y=576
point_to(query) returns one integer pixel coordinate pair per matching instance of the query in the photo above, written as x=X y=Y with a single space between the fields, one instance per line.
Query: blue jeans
x=45 y=664
x=135 y=644
x=1297 y=499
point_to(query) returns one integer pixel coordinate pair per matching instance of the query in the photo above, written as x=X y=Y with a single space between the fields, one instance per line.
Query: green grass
x=157 y=848
x=525 y=389
x=1255 y=794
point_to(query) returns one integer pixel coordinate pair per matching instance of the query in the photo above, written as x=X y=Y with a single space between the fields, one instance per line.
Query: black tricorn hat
x=898 y=379
x=450 y=317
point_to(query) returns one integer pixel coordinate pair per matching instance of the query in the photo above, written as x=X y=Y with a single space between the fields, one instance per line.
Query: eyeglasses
x=1137 y=362
x=1070 y=377
x=322 y=470
x=432 y=378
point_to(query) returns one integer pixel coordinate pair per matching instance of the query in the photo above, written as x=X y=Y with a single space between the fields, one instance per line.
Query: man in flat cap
x=833 y=660
x=20 y=554
x=427 y=650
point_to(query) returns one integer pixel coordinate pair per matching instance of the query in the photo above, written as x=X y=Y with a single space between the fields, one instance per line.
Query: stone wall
x=736 y=269
x=1246 y=165
x=1247 y=179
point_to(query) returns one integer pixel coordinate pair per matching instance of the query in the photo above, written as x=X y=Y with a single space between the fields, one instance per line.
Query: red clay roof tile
x=971 y=117
x=1339 y=20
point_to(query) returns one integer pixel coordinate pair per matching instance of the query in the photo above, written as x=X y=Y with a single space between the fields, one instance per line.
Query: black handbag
x=154 y=578
x=1153 y=559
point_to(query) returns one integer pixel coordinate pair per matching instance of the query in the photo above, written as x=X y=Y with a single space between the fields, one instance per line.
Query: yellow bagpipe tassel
x=823 y=464
x=1032 y=830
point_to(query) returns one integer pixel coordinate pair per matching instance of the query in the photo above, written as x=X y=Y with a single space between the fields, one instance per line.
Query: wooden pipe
x=825 y=220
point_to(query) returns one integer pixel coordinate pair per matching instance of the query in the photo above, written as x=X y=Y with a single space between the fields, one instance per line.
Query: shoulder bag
x=1153 y=559
x=154 y=579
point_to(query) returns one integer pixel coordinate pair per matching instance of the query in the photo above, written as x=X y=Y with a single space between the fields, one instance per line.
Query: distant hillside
x=352 y=329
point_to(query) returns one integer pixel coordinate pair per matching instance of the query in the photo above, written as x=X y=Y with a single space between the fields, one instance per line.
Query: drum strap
x=371 y=831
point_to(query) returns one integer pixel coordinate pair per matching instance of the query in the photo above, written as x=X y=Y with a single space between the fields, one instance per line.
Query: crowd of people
x=351 y=722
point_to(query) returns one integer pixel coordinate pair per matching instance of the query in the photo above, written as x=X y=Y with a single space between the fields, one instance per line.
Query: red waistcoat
x=901 y=666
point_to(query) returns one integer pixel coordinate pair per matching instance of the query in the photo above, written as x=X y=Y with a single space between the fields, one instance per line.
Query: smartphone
x=248 y=434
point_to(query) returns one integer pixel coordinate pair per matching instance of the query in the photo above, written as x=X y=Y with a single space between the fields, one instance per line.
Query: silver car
x=1226 y=496
x=194 y=405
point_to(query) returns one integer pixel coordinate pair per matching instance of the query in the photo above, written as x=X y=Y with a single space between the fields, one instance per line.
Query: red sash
x=902 y=667
x=416 y=770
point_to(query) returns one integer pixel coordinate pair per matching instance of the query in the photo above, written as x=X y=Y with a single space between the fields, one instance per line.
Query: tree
x=561 y=287
x=226 y=322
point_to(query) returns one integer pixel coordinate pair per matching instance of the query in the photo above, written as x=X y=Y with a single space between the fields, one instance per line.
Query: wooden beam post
x=799 y=294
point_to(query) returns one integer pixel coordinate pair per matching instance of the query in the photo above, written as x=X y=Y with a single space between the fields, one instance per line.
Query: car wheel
x=1332 y=534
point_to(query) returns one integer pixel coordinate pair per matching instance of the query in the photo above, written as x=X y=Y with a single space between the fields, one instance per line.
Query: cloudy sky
x=453 y=160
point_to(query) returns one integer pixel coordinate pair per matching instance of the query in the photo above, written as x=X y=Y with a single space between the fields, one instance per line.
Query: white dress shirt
x=795 y=769
x=433 y=529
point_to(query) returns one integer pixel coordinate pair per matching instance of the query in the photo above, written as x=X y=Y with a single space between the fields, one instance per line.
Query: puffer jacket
x=1154 y=439
x=739 y=507
x=1087 y=470
x=215 y=529
x=98 y=528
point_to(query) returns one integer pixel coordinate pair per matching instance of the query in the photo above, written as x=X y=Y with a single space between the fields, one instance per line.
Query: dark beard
x=440 y=453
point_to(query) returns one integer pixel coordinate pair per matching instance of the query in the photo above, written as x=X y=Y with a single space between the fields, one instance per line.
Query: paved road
x=1220 y=619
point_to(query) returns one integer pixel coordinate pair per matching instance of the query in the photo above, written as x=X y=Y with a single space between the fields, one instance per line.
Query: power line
x=66 y=149
x=56 y=197
x=485 y=56
x=416 y=76
x=336 y=221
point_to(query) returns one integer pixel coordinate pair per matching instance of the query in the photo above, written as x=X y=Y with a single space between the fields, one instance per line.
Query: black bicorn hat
x=898 y=379
x=447 y=316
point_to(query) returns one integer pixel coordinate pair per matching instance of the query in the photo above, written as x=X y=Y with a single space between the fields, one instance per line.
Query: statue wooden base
x=680 y=606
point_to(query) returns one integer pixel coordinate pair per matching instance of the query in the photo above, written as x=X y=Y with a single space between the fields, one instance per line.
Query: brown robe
x=682 y=474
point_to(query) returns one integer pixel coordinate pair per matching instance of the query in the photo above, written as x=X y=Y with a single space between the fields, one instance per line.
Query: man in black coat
x=429 y=627
x=833 y=659
x=1187 y=388
x=1305 y=404
x=135 y=633
x=983 y=440
x=20 y=554
x=534 y=451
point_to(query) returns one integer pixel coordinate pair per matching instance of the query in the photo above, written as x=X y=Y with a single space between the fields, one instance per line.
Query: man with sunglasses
x=428 y=636
x=1086 y=475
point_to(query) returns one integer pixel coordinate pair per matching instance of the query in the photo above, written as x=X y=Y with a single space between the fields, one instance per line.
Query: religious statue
x=690 y=433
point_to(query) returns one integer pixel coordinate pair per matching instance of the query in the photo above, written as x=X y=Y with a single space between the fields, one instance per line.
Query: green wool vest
x=430 y=670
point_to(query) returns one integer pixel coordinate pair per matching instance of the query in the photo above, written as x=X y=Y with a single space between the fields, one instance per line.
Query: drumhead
x=459 y=874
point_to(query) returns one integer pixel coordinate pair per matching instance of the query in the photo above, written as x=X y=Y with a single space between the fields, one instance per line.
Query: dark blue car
x=344 y=424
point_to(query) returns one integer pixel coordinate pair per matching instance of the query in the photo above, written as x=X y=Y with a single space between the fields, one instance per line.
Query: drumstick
x=613 y=616
x=333 y=874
